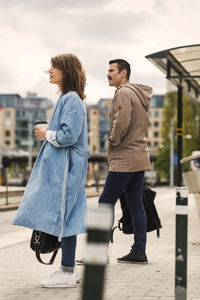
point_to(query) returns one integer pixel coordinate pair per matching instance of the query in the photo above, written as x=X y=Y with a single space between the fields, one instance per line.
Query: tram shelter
x=182 y=67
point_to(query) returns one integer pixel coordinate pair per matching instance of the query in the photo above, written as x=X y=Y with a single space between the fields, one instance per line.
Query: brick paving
x=20 y=273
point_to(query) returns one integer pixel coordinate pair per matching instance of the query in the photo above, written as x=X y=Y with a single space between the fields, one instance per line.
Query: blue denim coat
x=54 y=200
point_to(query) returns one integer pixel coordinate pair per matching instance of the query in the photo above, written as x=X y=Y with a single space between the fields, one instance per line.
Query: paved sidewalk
x=20 y=273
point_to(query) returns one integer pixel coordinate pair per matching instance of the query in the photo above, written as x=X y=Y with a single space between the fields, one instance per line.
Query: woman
x=54 y=200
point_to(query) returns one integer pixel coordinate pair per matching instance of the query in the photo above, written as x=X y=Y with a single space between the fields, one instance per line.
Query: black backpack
x=153 y=220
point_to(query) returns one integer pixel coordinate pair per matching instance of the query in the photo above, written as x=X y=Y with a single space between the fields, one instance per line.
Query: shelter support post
x=179 y=134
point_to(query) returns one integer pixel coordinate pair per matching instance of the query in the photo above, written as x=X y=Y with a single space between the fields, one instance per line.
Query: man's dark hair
x=122 y=65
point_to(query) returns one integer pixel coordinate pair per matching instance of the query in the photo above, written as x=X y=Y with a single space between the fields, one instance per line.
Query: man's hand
x=107 y=146
x=40 y=133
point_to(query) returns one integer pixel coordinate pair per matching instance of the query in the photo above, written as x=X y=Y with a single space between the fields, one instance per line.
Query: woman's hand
x=40 y=133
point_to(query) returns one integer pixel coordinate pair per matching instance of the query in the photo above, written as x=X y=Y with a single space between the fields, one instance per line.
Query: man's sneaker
x=82 y=261
x=134 y=258
x=60 y=279
x=78 y=275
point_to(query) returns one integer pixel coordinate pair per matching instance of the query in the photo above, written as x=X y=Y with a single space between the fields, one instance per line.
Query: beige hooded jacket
x=127 y=146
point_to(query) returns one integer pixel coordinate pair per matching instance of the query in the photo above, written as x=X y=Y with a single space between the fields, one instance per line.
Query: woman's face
x=56 y=76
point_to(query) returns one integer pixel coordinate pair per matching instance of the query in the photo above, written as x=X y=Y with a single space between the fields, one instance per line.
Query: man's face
x=115 y=78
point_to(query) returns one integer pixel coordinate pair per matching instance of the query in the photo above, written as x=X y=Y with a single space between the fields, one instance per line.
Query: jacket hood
x=144 y=93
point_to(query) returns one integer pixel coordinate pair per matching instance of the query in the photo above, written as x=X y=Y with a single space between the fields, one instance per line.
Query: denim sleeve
x=71 y=122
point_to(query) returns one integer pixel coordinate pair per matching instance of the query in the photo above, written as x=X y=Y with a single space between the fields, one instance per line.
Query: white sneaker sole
x=82 y=263
x=58 y=286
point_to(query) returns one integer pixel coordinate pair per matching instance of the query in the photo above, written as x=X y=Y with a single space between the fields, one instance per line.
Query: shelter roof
x=181 y=66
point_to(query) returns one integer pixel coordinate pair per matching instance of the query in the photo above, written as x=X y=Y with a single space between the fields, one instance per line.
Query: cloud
x=61 y=24
x=113 y=28
x=160 y=6
x=54 y=4
x=96 y=31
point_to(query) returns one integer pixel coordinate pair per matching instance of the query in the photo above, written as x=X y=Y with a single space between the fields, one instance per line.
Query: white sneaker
x=60 y=279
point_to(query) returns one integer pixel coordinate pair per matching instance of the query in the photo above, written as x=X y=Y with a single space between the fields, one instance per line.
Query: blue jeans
x=132 y=183
x=68 y=246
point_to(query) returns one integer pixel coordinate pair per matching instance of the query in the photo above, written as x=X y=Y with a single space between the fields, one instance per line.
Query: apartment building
x=17 y=117
x=93 y=134
x=98 y=125
x=155 y=123
x=7 y=127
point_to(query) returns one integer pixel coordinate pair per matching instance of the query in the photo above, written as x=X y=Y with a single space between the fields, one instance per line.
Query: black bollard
x=181 y=243
x=99 y=227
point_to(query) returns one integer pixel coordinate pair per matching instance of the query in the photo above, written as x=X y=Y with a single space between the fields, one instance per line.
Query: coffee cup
x=41 y=124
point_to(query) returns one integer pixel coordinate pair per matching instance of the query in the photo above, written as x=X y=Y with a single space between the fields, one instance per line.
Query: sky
x=32 y=31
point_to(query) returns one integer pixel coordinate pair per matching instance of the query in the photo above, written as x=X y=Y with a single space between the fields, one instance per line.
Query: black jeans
x=132 y=183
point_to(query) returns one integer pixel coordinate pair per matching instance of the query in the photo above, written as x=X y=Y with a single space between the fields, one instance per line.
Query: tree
x=191 y=131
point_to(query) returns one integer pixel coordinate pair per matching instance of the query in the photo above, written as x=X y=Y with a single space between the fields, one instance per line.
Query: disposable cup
x=41 y=124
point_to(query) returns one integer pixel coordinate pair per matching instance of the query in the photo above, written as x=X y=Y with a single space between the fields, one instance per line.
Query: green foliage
x=169 y=112
x=191 y=131
x=162 y=162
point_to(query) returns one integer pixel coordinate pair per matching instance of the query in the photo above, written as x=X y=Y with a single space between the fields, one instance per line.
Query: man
x=128 y=155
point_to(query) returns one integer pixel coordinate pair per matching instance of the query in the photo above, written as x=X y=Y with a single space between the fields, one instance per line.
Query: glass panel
x=192 y=65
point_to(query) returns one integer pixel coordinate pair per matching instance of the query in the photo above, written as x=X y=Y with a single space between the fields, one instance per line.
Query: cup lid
x=40 y=122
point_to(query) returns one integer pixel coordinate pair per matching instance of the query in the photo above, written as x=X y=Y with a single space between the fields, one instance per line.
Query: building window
x=155 y=144
x=156 y=134
x=7 y=113
x=7 y=133
x=102 y=144
x=7 y=143
x=156 y=124
x=149 y=144
x=156 y=114
x=149 y=124
x=8 y=123
x=24 y=134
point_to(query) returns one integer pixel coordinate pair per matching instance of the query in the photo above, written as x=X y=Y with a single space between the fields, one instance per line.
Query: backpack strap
x=37 y=254
x=112 y=232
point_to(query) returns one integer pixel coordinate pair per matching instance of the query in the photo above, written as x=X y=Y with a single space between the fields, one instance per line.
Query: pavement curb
x=8 y=207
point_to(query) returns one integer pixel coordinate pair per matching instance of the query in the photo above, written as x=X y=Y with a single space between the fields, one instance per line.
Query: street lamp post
x=30 y=141
x=171 y=152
